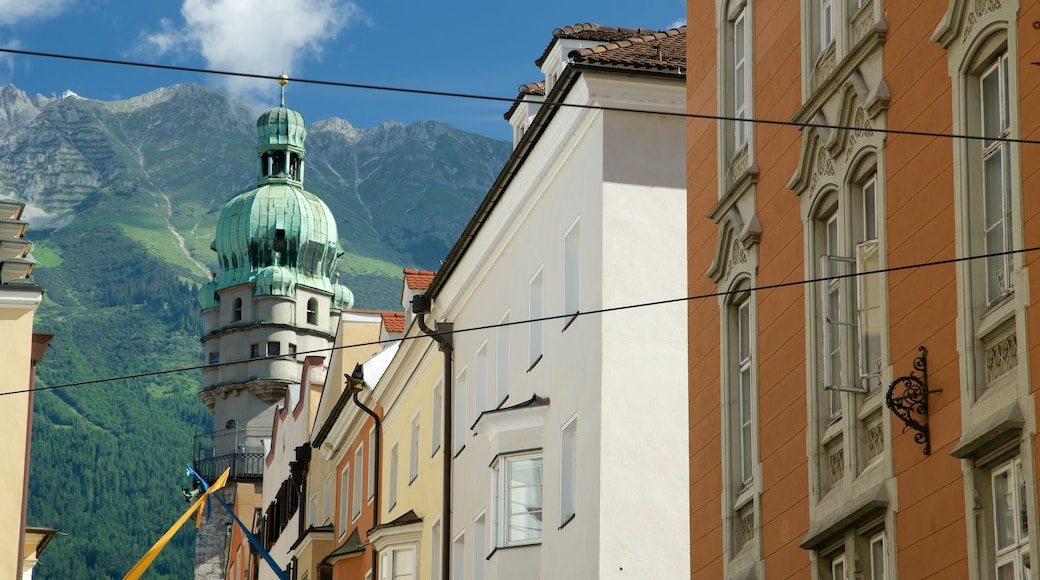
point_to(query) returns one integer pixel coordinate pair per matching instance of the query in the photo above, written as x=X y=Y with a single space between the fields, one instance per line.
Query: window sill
x=570 y=321
x=412 y=480
x=435 y=450
x=535 y=363
x=459 y=452
x=569 y=519
x=537 y=543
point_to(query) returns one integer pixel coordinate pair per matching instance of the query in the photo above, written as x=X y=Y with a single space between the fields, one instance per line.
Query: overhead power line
x=742 y=290
x=545 y=103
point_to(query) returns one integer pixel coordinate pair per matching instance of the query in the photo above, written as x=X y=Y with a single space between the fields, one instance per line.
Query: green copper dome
x=281 y=126
x=279 y=218
x=278 y=236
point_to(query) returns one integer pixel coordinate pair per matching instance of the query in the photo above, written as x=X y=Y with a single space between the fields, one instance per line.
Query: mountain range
x=123 y=199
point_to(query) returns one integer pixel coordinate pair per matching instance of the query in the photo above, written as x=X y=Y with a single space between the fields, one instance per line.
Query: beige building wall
x=17 y=308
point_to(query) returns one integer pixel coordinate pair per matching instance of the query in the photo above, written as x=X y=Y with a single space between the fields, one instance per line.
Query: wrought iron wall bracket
x=911 y=404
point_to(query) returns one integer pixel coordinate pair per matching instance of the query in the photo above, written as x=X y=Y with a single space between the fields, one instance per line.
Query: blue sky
x=478 y=46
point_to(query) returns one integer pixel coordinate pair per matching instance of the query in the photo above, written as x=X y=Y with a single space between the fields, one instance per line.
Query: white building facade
x=570 y=433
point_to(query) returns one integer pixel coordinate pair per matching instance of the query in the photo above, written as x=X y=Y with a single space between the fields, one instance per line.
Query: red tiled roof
x=537 y=89
x=662 y=50
x=594 y=32
x=418 y=279
x=393 y=321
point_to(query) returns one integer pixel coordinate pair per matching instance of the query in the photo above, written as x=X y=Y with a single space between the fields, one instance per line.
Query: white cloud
x=254 y=36
x=12 y=11
x=677 y=23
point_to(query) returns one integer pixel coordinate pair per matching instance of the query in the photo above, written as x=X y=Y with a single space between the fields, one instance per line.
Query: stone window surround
x=997 y=422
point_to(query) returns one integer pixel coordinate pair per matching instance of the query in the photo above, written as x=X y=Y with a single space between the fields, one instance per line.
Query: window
x=502 y=367
x=236 y=310
x=438 y=413
x=344 y=490
x=435 y=551
x=254 y=350
x=326 y=508
x=274 y=348
x=459 y=414
x=371 y=463
x=480 y=380
x=996 y=178
x=878 y=568
x=397 y=564
x=292 y=348
x=518 y=500
x=744 y=391
x=458 y=558
x=479 y=547
x=571 y=272
x=740 y=88
x=312 y=311
x=568 y=470
x=838 y=568
x=393 y=477
x=359 y=474
x=312 y=510
x=413 y=456
x=1010 y=521
x=826 y=22
x=851 y=306
x=534 y=327
x=214 y=358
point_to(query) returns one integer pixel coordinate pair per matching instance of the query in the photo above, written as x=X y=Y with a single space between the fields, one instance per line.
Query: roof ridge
x=638 y=39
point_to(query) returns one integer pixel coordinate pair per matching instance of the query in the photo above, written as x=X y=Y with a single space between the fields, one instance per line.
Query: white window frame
x=504 y=492
x=740 y=83
x=388 y=569
x=877 y=547
x=745 y=390
x=413 y=447
x=827 y=32
x=312 y=510
x=838 y=568
x=1016 y=548
x=535 y=311
x=997 y=231
x=357 y=491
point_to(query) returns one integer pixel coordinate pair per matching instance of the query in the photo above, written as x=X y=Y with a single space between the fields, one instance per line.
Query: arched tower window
x=312 y=311
x=236 y=311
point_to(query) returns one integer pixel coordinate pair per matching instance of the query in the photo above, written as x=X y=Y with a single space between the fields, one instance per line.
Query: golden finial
x=283 y=79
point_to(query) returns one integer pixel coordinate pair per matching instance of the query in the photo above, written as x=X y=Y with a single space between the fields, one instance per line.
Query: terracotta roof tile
x=662 y=50
x=418 y=279
x=594 y=32
x=537 y=89
x=393 y=321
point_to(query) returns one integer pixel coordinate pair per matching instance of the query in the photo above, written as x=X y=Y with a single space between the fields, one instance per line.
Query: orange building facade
x=814 y=451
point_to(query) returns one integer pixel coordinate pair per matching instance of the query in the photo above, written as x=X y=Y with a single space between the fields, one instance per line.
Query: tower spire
x=283 y=79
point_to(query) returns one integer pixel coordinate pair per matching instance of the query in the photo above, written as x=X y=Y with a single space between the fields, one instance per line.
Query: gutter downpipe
x=442 y=335
x=356 y=380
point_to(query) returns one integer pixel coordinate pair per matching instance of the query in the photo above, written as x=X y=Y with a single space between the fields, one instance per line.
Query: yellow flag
x=150 y=555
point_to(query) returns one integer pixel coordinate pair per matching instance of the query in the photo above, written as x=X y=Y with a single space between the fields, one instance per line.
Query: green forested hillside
x=123 y=200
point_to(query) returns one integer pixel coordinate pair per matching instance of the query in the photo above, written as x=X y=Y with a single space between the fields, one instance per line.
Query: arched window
x=312 y=311
x=236 y=310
